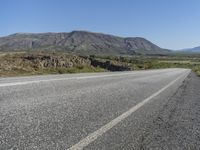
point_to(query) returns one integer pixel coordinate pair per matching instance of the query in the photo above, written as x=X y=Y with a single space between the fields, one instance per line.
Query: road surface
x=118 y=110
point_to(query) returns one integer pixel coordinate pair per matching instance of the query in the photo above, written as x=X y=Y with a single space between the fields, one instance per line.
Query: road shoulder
x=178 y=124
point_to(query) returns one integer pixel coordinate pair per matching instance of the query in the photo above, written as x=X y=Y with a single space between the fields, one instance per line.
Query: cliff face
x=80 y=42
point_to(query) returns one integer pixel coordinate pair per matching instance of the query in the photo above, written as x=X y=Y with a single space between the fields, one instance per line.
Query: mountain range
x=192 y=50
x=81 y=42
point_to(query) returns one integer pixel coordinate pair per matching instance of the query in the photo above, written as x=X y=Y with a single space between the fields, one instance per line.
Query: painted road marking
x=93 y=136
x=62 y=79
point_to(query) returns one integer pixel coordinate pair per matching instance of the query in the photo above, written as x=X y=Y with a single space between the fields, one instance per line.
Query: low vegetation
x=24 y=63
x=159 y=62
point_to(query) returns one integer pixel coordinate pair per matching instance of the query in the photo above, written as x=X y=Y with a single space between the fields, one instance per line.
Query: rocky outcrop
x=56 y=61
x=110 y=65
x=38 y=61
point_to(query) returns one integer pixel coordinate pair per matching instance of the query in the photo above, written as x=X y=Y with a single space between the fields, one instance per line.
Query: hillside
x=80 y=42
x=193 y=50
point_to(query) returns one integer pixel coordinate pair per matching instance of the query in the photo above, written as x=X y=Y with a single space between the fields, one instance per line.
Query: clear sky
x=173 y=24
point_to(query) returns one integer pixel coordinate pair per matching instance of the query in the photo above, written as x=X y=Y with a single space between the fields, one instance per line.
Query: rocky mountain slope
x=80 y=42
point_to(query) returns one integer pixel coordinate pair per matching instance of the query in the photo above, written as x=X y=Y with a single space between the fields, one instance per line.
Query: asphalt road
x=120 y=110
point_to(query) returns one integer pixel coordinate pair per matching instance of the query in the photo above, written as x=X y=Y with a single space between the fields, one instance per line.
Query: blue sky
x=173 y=24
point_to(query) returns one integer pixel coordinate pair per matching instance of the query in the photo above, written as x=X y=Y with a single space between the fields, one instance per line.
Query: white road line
x=93 y=136
x=62 y=79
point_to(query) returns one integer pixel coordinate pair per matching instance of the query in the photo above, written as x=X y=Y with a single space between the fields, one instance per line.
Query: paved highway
x=86 y=111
